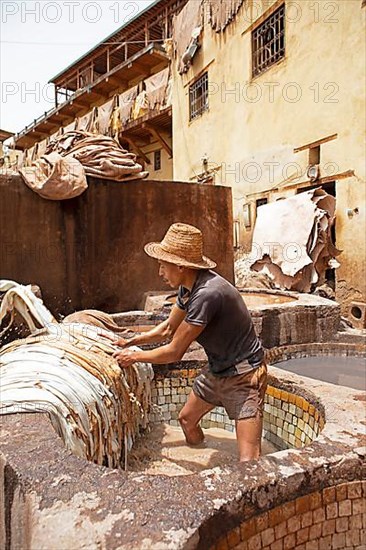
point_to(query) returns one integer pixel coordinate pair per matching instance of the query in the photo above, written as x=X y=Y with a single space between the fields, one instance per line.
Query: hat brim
x=155 y=250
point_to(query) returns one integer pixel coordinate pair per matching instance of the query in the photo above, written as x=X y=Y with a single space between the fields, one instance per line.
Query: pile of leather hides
x=292 y=241
x=67 y=370
x=61 y=172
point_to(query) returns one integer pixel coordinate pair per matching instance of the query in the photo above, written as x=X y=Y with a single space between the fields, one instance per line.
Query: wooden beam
x=98 y=94
x=42 y=134
x=160 y=138
x=135 y=147
x=59 y=117
x=306 y=183
x=51 y=127
x=320 y=181
x=116 y=81
x=315 y=143
x=78 y=102
x=77 y=108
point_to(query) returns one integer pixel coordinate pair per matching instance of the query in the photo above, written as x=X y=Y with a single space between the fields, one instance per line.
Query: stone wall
x=333 y=518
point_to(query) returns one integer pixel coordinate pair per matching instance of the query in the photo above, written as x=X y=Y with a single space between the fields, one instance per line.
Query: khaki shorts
x=241 y=395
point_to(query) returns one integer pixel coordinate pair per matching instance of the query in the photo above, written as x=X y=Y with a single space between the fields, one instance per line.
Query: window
x=260 y=202
x=157 y=160
x=268 y=42
x=314 y=155
x=198 y=97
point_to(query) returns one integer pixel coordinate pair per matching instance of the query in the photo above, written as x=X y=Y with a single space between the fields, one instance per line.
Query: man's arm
x=170 y=353
x=163 y=331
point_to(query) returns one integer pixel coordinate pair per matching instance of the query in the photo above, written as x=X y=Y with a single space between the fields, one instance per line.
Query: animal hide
x=67 y=370
x=156 y=89
x=292 y=240
x=222 y=13
x=61 y=173
x=185 y=28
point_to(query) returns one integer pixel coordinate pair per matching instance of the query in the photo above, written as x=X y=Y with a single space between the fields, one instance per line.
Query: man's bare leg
x=189 y=417
x=249 y=437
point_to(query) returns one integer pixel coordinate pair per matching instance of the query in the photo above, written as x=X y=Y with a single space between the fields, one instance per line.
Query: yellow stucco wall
x=317 y=90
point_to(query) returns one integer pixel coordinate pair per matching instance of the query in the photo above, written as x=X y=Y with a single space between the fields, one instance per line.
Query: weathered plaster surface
x=312 y=93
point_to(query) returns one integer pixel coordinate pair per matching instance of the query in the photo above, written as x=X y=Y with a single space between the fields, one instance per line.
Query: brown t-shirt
x=229 y=336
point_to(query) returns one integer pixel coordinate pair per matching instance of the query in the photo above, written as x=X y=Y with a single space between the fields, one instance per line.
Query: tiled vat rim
x=293 y=417
x=327 y=349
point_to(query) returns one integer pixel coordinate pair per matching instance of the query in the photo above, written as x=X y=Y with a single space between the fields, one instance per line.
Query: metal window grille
x=198 y=97
x=268 y=42
x=157 y=160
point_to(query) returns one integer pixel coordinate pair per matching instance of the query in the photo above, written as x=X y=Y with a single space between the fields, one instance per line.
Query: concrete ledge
x=280 y=318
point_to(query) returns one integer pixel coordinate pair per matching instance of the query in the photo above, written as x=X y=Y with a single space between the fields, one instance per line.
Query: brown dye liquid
x=163 y=450
x=342 y=371
x=253 y=299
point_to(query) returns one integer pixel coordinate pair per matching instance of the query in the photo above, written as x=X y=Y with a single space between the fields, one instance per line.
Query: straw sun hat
x=183 y=246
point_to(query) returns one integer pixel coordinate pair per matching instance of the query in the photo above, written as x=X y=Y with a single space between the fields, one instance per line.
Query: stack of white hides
x=68 y=371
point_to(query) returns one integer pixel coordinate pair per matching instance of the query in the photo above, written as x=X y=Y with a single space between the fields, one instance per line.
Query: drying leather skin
x=67 y=370
x=61 y=173
x=292 y=240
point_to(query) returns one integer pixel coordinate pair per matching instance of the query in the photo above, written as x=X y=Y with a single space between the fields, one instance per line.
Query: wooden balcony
x=138 y=67
x=138 y=133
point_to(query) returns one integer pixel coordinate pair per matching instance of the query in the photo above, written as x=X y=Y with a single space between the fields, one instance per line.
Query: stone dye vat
x=308 y=495
x=280 y=318
x=306 y=492
x=337 y=363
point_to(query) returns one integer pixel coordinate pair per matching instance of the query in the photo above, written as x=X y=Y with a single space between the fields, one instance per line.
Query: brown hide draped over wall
x=126 y=102
x=183 y=26
x=104 y=116
x=42 y=146
x=222 y=13
x=61 y=173
x=156 y=88
x=87 y=252
x=70 y=127
x=85 y=123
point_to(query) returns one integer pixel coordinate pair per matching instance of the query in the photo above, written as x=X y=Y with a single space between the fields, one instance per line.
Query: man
x=210 y=310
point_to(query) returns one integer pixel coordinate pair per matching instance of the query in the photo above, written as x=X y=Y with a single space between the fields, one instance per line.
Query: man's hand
x=169 y=353
x=125 y=358
x=121 y=342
